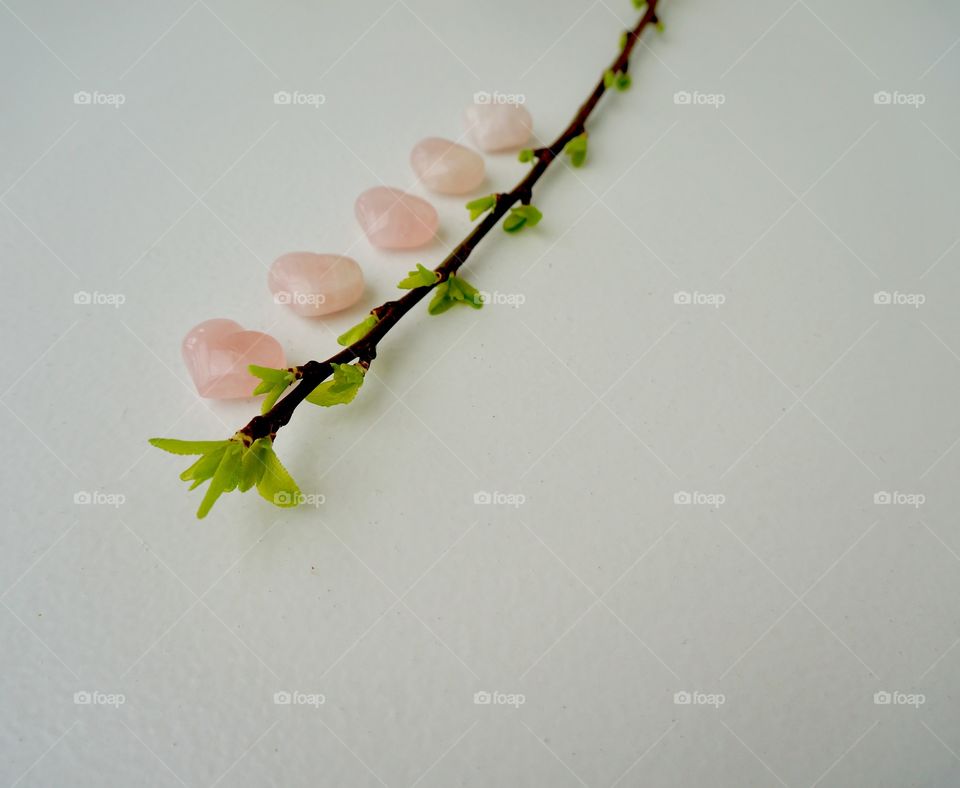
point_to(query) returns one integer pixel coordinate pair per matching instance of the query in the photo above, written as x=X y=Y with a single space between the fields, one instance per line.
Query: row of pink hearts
x=217 y=352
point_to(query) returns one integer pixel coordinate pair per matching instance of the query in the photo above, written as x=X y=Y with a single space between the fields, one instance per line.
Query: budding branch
x=313 y=373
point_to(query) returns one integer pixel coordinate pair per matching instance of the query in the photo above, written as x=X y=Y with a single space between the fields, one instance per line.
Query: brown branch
x=313 y=373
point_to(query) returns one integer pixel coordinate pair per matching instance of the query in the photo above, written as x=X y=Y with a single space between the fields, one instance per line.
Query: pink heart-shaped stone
x=315 y=284
x=446 y=167
x=393 y=219
x=217 y=353
x=498 y=127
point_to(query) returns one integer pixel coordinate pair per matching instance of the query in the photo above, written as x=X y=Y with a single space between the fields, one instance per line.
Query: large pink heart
x=217 y=353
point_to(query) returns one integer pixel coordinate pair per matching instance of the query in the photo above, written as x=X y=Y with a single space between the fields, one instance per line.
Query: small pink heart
x=217 y=353
x=393 y=219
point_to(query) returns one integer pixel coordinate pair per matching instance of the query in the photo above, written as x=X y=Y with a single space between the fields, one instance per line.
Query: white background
x=598 y=400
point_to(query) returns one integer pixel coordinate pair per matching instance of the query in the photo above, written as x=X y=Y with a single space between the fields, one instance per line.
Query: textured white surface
x=598 y=400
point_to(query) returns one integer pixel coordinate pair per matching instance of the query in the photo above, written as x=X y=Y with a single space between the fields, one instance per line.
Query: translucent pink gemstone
x=496 y=127
x=217 y=353
x=393 y=219
x=315 y=284
x=446 y=167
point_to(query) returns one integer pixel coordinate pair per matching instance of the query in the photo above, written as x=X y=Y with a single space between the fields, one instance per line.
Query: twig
x=313 y=373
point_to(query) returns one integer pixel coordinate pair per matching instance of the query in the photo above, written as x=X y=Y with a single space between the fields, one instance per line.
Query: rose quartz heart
x=393 y=219
x=217 y=353
x=497 y=127
x=315 y=284
x=446 y=167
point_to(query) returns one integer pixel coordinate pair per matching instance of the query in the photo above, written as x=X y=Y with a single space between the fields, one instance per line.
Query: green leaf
x=204 y=468
x=276 y=484
x=525 y=155
x=225 y=479
x=623 y=44
x=347 y=380
x=461 y=290
x=576 y=149
x=532 y=214
x=513 y=223
x=522 y=216
x=187 y=447
x=609 y=78
x=273 y=382
x=269 y=373
x=623 y=81
x=358 y=332
x=263 y=387
x=639 y=4
x=659 y=26
x=422 y=277
x=273 y=395
x=440 y=303
x=231 y=465
x=481 y=205
x=455 y=290
x=252 y=465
